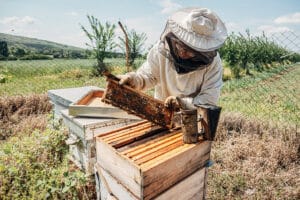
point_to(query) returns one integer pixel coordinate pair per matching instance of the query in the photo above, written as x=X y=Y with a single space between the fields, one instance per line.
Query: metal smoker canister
x=189 y=126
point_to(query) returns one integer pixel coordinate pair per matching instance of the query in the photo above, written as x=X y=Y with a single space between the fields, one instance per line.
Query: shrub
x=3 y=78
x=101 y=38
x=36 y=57
x=36 y=167
x=243 y=52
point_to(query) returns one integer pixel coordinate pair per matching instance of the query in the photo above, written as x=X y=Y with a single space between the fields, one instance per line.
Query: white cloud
x=168 y=6
x=288 y=19
x=269 y=29
x=22 y=32
x=24 y=26
x=72 y=13
x=18 y=21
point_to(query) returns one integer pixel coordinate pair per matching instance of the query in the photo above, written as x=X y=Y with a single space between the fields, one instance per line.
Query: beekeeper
x=185 y=63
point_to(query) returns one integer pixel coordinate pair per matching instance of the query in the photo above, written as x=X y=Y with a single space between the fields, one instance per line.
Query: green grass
x=247 y=165
x=35 y=166
x=36 y=77
x=270 y=96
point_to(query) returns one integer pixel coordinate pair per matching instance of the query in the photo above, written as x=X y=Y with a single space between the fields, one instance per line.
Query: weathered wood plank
x=85 y=99
x=137 y=103
x=116 y=132
x=134 y=137
x=125 y=170
x=154 y=163
x=149 y=145
x=190 y=188
x=126 y=133
x=167 y=172
x=112 y=185
x=140 y=143
x=157 y=151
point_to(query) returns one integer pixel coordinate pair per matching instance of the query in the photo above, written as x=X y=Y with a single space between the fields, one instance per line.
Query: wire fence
x=271 y=95
x=269 y=99
x=288 y=39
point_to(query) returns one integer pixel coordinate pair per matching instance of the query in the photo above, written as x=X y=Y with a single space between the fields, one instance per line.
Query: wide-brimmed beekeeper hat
x=199 y=28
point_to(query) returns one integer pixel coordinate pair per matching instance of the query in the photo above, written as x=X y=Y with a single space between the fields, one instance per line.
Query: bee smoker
x=204 y=121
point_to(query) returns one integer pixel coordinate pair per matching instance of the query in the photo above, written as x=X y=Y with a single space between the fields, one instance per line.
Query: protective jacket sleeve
x=211 y=86
x=147 y=75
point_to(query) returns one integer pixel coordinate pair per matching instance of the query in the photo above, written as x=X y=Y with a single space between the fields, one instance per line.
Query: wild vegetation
x=256 y=154
x=102 y=35
x=134 y=45
x=247 y=153
x=23 y=112
x=245 y=52
x=253 y=160
x=17 y=77
x=35 y=166
x=101 y=41
x=272 y=95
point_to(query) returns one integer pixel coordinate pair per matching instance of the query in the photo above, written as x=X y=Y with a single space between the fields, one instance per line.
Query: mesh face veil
x=172 y=48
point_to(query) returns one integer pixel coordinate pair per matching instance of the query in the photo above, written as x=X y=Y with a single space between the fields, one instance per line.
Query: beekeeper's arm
x=210 y=89
x=147 y=75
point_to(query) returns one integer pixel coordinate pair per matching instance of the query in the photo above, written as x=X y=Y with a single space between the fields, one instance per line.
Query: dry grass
x=23 y=114
x=253 y=160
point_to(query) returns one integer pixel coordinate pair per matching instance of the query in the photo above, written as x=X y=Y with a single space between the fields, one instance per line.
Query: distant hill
x=43 y=47
x=38 y=46
x=34 y=44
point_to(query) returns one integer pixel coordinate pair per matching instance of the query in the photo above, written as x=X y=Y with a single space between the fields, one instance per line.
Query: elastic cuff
x=188 y=102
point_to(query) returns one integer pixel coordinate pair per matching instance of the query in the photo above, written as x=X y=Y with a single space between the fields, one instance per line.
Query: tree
x=3 y=49
x=20 y=52
x=101 y=41
x=135 y=43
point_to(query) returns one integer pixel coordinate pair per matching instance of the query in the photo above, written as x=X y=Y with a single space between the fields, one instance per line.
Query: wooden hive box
x=190 y=188
x=81 y=137
x=62 y=98
x=148 y=160
x=91 y=105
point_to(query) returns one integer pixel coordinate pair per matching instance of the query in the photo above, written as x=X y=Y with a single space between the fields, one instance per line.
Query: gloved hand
x=172 y=103
x=176 y=103
x=127 y=79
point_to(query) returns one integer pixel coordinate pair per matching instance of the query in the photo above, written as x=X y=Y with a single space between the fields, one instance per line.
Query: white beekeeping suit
x=185 y=62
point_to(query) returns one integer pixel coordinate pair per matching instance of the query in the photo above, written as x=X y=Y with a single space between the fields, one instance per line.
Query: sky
x=60 y=20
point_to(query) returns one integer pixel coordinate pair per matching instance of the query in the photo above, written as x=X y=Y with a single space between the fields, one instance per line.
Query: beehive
x=81 y=132
x=91 y=105
x=147 y=161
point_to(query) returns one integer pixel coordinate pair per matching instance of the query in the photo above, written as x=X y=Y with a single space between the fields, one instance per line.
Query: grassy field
x=273 y=95
x=254 y=157
x=37 y=77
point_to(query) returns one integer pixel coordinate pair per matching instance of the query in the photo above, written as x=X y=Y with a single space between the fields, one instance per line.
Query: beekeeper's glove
x=128 y=79
x=176 y=103
x=172 y=103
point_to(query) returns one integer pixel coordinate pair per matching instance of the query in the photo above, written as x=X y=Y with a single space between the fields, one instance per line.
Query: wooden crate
x=82 y=132
x=190 y=188
x=148 y=160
